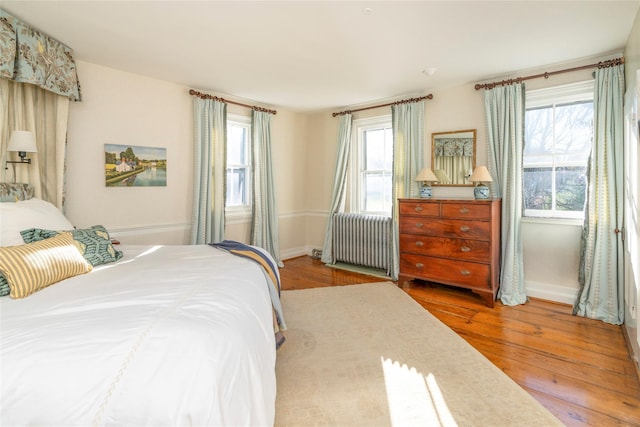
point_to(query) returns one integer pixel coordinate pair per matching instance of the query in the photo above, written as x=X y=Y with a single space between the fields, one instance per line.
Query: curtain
x=339 y=184
x=264 y=215
x=408 y=158
x=29 y=56
x=601 y=262
x=504 y=108
x=210 y=170
x=45 y=114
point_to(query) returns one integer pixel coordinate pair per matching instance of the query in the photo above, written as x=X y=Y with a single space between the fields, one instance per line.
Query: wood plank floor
x=578 y=368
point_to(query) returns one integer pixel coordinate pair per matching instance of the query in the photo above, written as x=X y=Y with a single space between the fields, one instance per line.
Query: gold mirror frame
x=453 y=169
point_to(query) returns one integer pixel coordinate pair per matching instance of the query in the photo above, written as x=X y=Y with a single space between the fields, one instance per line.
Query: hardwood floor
x=578 y=368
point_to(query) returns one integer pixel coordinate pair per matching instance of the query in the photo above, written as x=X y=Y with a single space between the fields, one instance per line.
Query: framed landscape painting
x=135 y=166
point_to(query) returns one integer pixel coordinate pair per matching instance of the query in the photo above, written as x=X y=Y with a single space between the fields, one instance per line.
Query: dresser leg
x=402 y=280
x=487 y=296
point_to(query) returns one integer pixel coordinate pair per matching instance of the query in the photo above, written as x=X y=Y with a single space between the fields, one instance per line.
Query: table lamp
x=481 y=175
x=426 y=176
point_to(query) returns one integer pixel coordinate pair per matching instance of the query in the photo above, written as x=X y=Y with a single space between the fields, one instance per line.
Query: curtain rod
x=601 y=64
x=215 y=98
x=404 y=101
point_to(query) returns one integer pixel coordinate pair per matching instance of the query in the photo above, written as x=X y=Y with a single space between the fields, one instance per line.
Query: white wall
x=125 y=108
x=632 y=188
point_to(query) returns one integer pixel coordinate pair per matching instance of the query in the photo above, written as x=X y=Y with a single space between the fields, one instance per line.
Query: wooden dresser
x=451 y=241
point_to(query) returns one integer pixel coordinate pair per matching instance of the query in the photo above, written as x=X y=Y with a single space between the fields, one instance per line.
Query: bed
x=160 y=335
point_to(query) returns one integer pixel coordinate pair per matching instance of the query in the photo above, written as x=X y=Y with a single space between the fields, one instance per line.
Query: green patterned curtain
x=29 y=56
x=339 y=184
x=408 y=159
x=210 y=170
x=601 y=277
x=504 y=109
x=264 y=215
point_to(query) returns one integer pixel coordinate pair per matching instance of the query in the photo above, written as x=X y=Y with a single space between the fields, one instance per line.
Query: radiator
x=362 y=239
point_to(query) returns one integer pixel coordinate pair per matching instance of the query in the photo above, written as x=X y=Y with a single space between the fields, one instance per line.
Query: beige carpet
x=368 y=355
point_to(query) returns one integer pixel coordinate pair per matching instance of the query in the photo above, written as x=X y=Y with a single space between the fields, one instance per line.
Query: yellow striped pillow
x=34 y=266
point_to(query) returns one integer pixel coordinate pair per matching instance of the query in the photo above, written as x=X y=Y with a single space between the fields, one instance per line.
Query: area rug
x=369 y=355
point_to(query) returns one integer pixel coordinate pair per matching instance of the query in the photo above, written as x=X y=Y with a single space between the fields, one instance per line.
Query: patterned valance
x=29 y=56
x=449 y=147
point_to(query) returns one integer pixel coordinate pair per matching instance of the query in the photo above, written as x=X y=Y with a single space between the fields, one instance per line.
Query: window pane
x=571 y=188
x=377 y=192
x=236 y=194
x=236 y=144
x=538 y=131
x=374 y=149
x=573 y=127
x=537 y=188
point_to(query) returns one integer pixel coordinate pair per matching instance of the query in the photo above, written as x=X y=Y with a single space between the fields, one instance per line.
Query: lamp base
x=481 y=192
x=425 y=192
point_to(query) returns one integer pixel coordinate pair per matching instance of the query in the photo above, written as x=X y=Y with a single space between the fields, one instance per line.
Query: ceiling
x=312 y=55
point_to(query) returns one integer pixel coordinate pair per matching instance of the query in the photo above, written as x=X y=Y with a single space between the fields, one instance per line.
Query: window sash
x=375 y=201
x=239 y=168
x=558 y=162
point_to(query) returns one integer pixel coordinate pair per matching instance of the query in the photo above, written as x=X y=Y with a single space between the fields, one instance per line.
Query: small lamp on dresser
x=481 y=175
x=426 y=176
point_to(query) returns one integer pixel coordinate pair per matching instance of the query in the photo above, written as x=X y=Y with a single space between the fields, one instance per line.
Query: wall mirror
x=453 y=156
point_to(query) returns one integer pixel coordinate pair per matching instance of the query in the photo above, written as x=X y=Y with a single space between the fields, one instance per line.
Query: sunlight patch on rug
x=413 y=398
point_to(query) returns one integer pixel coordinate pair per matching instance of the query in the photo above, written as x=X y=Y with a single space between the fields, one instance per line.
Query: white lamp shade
x=22 y=140
x=481 y=174
x=426 y=174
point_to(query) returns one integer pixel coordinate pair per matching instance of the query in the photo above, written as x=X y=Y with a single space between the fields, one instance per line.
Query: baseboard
x=551 y=292
x=295 y=252
x=629 y=339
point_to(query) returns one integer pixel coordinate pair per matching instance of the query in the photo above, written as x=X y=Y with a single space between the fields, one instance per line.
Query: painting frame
x=129 y=165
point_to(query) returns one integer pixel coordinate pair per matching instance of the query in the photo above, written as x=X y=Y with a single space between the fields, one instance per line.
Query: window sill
x=237 y=214
x=576 y=222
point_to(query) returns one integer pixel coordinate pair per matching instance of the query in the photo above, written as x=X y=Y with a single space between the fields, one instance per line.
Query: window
x=372 y=170
x=238 y=163
x=557 y=144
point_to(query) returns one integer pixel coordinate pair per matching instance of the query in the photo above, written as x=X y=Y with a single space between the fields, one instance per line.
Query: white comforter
x=174 y=335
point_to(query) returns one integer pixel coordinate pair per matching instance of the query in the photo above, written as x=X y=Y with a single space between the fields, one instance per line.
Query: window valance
x=29 y=56
x=449 y=147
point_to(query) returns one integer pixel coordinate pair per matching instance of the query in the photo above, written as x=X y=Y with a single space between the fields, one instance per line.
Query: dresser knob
x=465 y=272
x=465 y=248
x=465 y=228
x=418 y=208
x=464 y=210
x=419 y=225
x=419 y=243
x=419 y=265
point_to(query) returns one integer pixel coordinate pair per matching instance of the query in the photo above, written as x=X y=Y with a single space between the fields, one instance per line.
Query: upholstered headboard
x=15 y=191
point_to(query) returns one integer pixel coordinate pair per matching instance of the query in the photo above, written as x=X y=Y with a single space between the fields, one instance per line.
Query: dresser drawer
x=446 y=228
x=466 y=250
x=421 y=209
x=455 y=272
x=466 y=211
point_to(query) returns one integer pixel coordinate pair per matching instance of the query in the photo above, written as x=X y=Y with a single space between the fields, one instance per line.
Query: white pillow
x=32 y=213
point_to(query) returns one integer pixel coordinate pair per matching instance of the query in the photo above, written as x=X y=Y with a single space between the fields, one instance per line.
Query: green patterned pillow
x=94 y=242
x=4 y=286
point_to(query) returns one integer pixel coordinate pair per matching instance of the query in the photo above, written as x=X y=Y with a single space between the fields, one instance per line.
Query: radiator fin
x=362 y=239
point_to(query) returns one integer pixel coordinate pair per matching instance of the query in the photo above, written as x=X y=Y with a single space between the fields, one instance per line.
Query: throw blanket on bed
x=271 y=271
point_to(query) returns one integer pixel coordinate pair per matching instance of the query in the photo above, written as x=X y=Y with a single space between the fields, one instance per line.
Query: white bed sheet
x=169 y=335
